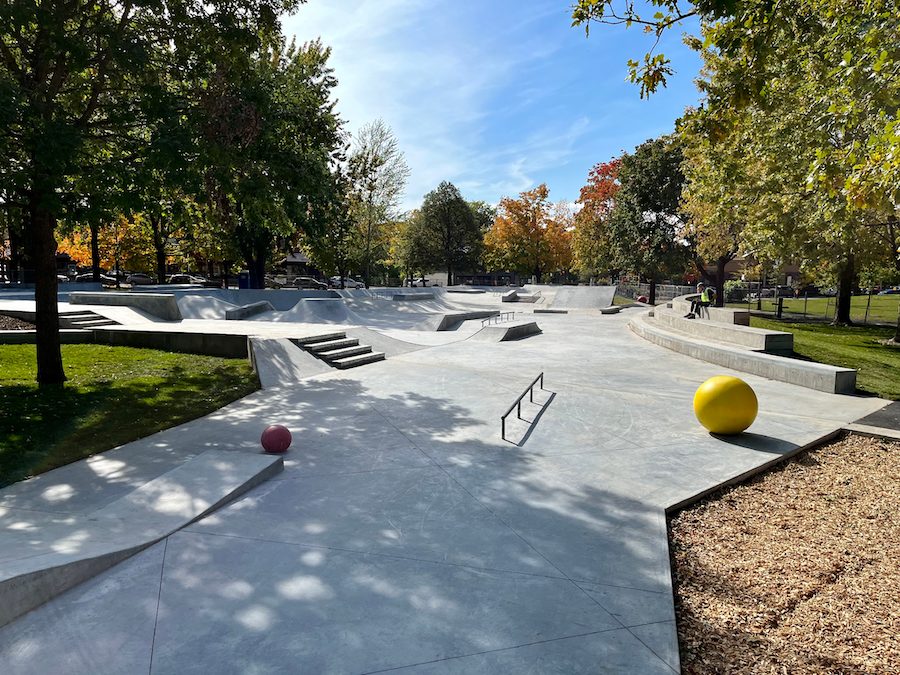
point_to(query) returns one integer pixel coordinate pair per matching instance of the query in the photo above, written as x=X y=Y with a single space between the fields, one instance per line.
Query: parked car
x=62 y=279
x=139 y=279
x=348 y=283
x=890 y=291
x=105 y=279
x=272 y=282
x=309 y=282
x=421 y=281
x=186 y=279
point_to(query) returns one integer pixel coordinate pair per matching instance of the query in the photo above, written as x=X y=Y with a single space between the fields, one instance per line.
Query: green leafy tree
x=452 y=230
x=78 y=79
x=378 y=172
x=332 y=244
x=647 y=223
x=271 y=135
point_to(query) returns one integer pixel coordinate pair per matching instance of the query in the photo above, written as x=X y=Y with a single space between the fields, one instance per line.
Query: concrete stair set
x=84 y=320
x=339 y=351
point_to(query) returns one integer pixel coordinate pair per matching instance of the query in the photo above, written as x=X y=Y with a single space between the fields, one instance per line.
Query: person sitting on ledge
x=705 y=300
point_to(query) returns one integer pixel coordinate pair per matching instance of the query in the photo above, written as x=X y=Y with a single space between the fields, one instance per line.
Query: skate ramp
x=202 y=306
x=315 y=310
x=583 y=297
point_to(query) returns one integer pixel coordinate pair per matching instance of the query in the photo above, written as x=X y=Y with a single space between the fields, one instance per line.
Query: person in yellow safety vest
x=705 y=300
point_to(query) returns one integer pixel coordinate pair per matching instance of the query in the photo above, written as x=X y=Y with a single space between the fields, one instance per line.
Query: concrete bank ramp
x=316 y=310
x=440 y=322
x=203 y=306
x=279 y=362
x=583 y=297
x=44 y=554
x=503 y=332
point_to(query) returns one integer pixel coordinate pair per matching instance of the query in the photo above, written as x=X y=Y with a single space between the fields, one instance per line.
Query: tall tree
x=452 y=229
x=378 y=171
x=530 y=235
x=332 y=244
x=271 y=134
x=591 y=243
x=79 y=78
x=647 y=223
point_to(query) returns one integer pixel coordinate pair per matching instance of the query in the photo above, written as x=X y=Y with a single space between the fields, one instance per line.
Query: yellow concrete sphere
x=725 y=405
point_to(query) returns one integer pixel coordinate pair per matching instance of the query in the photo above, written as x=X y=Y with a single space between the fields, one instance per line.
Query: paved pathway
x=405 y=536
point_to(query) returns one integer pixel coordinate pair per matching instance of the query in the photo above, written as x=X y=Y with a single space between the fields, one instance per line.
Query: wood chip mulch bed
x=9 y=323
x=796 y=571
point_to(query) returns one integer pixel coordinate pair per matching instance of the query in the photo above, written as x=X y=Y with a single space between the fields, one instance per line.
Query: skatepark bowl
x=400 y=531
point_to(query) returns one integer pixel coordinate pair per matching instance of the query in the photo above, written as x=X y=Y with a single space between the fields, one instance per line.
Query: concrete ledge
x=162 y=305
x=551 y=311
x=406 y=297
x=740 y=317
x=819 y=376
x=210 y=344
x=874 y=432
x=248 y=310
x=510 y=296
x=760 y=339
x=465 y=290
x=506 y=331
x=28 y=337
x=447 y=321
x=59 y=553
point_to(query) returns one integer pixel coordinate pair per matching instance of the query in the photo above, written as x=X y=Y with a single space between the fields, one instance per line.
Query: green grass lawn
x=114 y=395
x=878 y=366
x=883 y=307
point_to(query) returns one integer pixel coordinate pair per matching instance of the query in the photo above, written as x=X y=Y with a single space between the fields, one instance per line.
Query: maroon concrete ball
x=642 y=298
x=276 y=438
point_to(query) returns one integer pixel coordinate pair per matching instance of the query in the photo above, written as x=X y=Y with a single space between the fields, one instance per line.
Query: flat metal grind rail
x=518 y=404
x=503 y=316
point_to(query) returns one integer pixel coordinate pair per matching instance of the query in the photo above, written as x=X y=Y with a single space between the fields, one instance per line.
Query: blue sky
x=495 y=96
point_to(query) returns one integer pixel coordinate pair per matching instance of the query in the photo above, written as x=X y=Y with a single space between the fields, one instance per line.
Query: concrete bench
x=757 y=339
x=510 y=296
x=729 y=315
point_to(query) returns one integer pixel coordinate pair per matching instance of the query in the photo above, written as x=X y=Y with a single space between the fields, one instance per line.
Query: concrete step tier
x=819 y=376
x=757 y=339
x=336 y=354
x=338 y=351
x=331 y=345
x=313 y=339
x=361 y=360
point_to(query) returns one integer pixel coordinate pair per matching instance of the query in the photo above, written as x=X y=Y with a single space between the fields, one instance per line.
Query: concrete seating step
x=353 y=361
x=330 y=345
x=313 y=339
x=45 y=554
x=337 y=354
x=91 y=323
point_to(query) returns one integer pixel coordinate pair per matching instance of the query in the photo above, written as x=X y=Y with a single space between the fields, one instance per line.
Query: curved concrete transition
x=404 y=534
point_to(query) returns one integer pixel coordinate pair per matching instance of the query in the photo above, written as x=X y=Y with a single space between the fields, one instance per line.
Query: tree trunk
x=844 y=293
x=49 y=358
x=652 y=299
x=897 y=331
x=15 y=251
x=95 y=249
x=159 y=246
x=449 y=272
x=720 y=281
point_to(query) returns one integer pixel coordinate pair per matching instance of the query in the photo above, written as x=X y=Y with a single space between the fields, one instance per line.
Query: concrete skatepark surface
x=404 y=534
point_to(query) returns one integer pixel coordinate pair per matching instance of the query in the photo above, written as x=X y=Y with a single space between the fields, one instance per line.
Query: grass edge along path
x=114 y=395
x=856 y=347
x=794 y=571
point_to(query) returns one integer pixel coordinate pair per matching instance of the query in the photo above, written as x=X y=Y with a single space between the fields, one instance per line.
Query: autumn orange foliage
x=530 y=235
x=590 y=240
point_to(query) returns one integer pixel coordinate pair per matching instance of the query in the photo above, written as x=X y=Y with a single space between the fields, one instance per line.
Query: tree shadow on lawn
x=42 y=428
